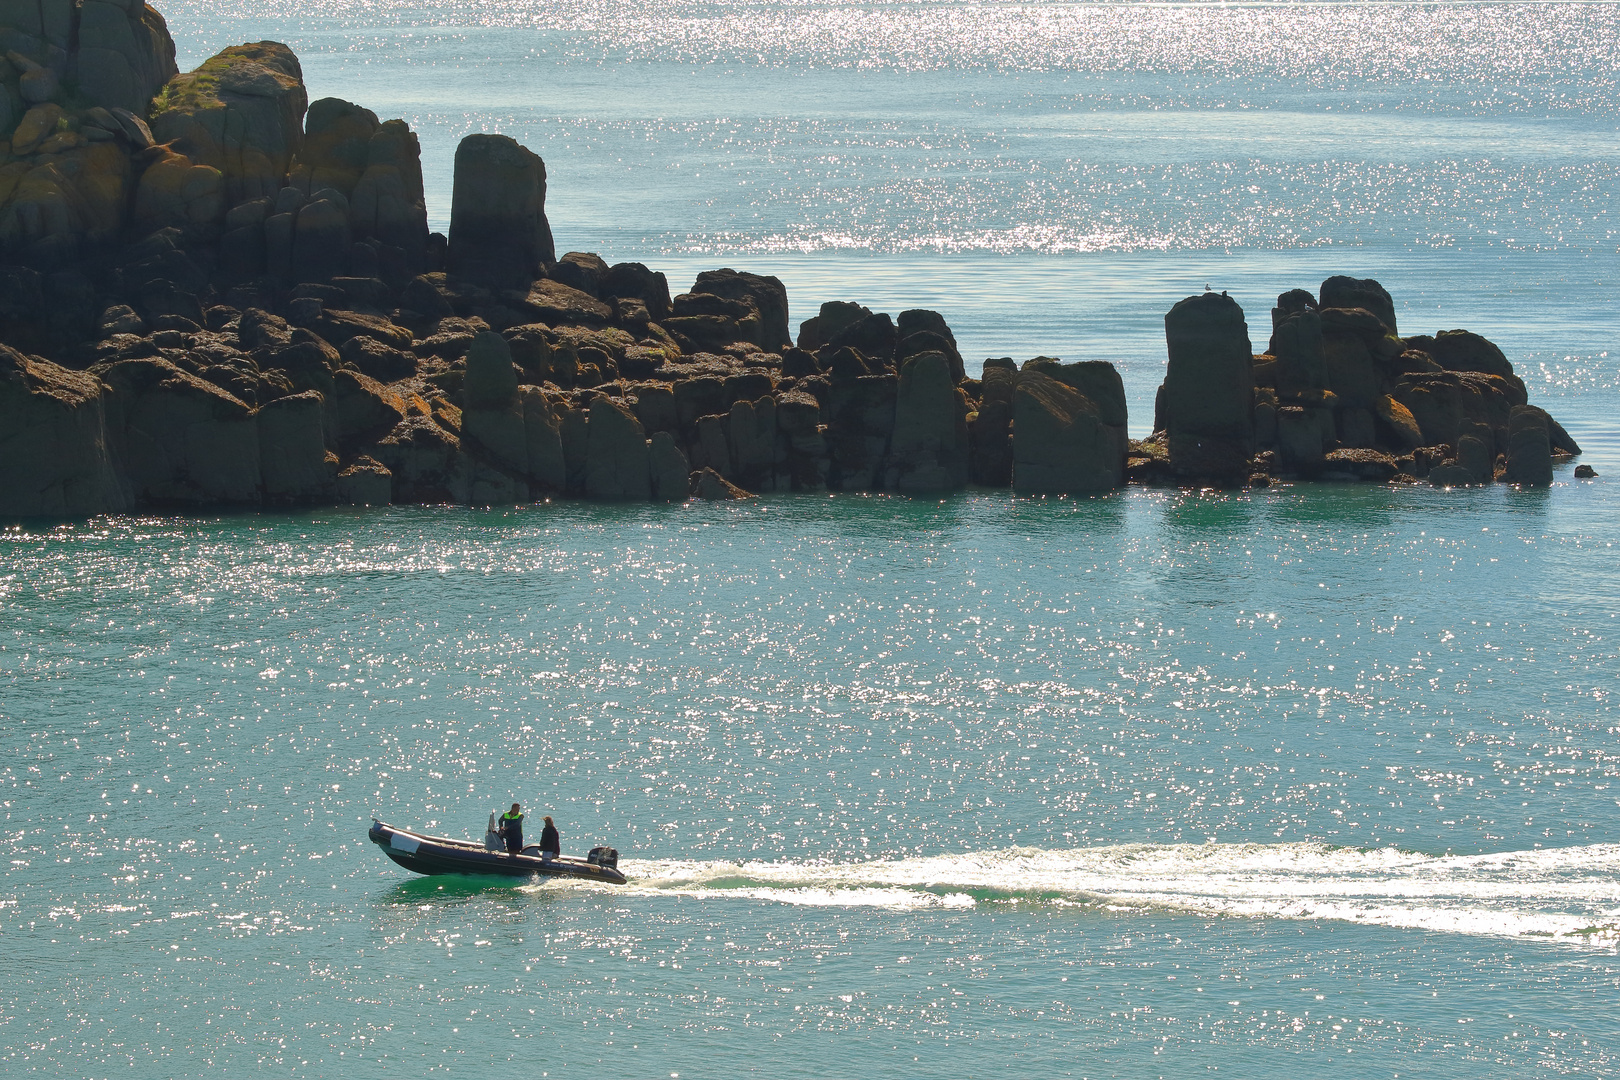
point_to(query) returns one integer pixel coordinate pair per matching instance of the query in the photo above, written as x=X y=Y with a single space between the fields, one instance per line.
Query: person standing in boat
x=550 y=842
x=512 y=829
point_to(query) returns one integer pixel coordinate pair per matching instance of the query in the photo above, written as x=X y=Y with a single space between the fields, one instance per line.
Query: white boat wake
x=1571 y=893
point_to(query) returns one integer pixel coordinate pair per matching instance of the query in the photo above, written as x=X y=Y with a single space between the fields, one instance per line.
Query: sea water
x=1317 y=779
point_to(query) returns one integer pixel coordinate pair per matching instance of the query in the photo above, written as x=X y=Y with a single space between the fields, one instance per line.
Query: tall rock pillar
x=1208 y=394
x=499 y=234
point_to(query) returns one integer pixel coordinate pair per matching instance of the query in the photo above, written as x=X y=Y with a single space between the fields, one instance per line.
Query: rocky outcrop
x=727 y=310
x=542 y=429
x=377 y=167
x=499 y=234
x=633 y=281
x=65 y=197
x=242 y=113
x=176 y=191
x=860 y=421
x=920 y=330
x=753 y=455
x=365 y=483
x=124 y=53
x=991 y=429
x=1339 y=396
x=765 y=297
x=180 y=440
x=710 y=486
x=1443 y=403
x=928 y=450
x=115 y=54
x=1398 y=427
x=670 y=475
x=55 y=458
x=1069 y=431
x=1209 y=389
x=1360 y=293
x=493 y=418
x=1529 y=451
x=241 y=304
x=425 y=461
x=294 y=465
x=617 y=461
x=804 y=440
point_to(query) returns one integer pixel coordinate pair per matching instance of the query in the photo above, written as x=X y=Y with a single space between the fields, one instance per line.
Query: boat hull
x=423 y=854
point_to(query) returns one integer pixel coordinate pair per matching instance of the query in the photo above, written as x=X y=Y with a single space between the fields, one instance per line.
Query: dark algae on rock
x=216 y=293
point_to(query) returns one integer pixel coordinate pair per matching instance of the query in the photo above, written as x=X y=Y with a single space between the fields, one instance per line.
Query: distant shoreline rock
x=215 y=293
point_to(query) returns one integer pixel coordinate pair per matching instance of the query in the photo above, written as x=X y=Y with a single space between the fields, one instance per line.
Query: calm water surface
x=1305 y=780
x=1114 y=787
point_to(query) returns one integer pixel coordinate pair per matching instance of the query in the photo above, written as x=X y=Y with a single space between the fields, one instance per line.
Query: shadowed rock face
x=1209 y=389
x=929 y=449
x=767 y=295
x=1364 y=293
x=635 y=281
x=118 y=53
x=61 y=205
x=55 y=460
x=920 y=330
x=124 y=53
x=294 y=465
x=499 y=234
x=1068 y=428
x=181 y=440
x=670 y=474
x=712 y=487
x=365 y=483
x=495 y=419
x=426 y=462
x=1296 y=343
x=1529 y=453
x=617 y=461
x=860 y=423
x=992 y=429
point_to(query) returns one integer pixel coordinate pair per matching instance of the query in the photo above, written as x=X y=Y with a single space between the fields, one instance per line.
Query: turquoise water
x=1307 y=780
x=1143 y=785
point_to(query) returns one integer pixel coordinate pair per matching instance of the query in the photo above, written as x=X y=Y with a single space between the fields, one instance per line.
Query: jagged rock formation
x=215 y=293
x=1338 y=395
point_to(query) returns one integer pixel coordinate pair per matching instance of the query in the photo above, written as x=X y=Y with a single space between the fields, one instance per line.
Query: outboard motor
x=603 y=856
x=492 y=838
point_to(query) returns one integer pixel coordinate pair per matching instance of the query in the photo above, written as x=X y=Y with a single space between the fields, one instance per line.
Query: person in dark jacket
x=512 y=829
x=550 y=842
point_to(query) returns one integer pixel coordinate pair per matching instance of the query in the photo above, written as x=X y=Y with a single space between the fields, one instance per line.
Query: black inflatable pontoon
x=441 y=855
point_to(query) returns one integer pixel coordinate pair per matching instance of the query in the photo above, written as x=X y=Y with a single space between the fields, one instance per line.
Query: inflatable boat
x=423 y=854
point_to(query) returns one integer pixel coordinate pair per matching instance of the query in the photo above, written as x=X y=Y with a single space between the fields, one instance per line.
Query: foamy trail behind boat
x=1566 y=893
